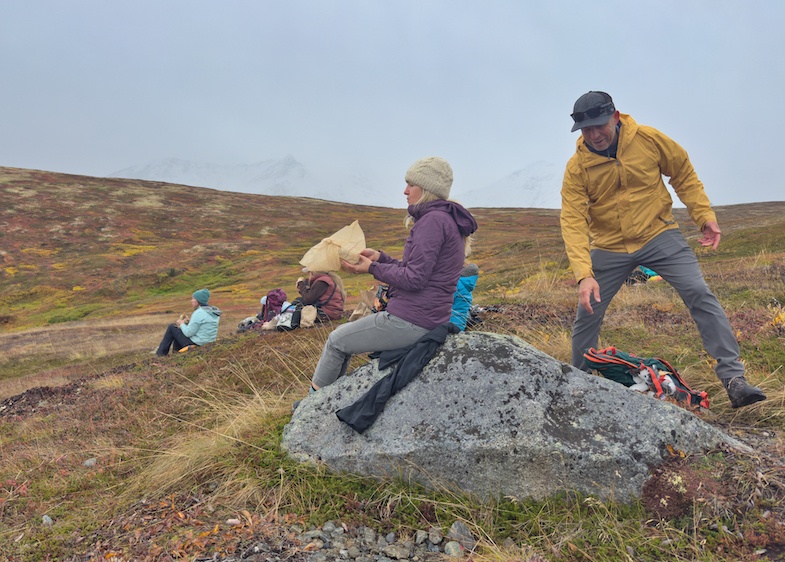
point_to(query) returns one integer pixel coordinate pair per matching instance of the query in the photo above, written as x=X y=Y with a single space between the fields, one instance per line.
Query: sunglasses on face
x=592 y=113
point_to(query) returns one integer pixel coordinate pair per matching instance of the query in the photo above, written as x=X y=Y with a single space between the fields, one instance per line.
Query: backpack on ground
x=381 y=298
x=474 y=319
x=289 y=318
x=249 y=323
x=271 y=305
x=650 y=375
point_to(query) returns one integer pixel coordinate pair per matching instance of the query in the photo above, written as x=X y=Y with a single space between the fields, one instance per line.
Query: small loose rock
x=460 y=532
x=334 y=542
x=453 y=548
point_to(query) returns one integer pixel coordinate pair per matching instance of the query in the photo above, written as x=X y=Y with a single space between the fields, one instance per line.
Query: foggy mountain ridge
x=534 y=186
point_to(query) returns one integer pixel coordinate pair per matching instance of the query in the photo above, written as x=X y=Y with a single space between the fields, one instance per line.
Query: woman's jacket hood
x=463 y=218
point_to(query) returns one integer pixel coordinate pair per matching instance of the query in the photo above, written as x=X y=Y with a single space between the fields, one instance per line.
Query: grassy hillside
x=139 y=458
x=77 y=247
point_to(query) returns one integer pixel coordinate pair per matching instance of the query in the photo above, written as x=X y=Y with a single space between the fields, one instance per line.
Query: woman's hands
x=373 y=255
x=367 y=257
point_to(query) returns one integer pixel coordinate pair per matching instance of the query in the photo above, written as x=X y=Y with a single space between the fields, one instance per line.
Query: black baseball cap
x=591 y=109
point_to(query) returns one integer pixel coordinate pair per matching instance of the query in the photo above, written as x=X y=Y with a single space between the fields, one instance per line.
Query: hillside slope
x=74 y=247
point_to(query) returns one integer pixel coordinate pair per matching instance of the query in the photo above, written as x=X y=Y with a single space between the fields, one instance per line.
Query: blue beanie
x=202 y=296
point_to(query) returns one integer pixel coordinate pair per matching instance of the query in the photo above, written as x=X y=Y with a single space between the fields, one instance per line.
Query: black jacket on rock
x=410 y=361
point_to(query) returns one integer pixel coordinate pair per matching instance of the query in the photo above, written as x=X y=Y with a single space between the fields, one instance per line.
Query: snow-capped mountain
x=537 y=186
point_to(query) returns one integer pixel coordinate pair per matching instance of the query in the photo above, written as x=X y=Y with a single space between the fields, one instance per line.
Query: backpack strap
x=608 y=356
x=674 y=373
x=656 y=381
x=701 y=398
x=325 y=301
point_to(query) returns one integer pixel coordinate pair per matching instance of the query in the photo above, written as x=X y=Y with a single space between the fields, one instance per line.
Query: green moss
x=73 y=314
x=766 y=355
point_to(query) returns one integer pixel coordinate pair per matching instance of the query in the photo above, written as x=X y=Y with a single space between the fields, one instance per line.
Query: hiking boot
x=742 y=393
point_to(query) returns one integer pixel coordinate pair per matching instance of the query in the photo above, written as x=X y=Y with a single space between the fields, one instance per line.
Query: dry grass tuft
x=234 y=406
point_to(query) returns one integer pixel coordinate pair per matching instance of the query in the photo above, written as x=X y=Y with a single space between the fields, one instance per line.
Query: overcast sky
x=94 y=86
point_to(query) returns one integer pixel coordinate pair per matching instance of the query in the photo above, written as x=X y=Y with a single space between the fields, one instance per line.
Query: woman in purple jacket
x=421 y=284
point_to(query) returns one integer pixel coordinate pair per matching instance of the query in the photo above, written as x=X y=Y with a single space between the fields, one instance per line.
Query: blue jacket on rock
x=462 y=299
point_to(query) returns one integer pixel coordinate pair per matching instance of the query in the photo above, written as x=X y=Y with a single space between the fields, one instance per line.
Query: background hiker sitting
x=200 y=329
x=324 y=290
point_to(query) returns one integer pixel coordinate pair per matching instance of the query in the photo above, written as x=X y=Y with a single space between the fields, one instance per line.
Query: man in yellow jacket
x=616 y=215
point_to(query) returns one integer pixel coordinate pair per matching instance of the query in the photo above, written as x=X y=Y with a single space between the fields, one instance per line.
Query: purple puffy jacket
x=423 y=282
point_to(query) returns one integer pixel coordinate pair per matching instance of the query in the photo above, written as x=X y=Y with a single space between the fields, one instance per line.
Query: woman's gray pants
x=375 y=332
x=671 y=257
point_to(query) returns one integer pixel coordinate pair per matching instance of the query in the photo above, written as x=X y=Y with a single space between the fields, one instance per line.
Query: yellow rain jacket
x=619 y=204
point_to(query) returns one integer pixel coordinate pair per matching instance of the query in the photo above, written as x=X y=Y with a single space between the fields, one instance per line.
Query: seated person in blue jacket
x=200 y=329
x=462 y=299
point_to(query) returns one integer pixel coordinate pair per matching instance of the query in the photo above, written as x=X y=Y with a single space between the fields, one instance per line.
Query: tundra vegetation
x=140 y=458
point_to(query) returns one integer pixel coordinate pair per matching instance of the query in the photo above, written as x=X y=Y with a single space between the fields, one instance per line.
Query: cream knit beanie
x=433 y=174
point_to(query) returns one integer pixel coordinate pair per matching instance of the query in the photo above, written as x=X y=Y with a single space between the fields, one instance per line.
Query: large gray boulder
x=493 y=416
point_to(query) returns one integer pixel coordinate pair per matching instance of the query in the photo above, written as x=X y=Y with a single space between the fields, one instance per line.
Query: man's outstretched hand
x=711 y=235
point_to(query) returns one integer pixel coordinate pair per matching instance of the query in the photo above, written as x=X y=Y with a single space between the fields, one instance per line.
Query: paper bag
x=366 y=304
x=345 y=244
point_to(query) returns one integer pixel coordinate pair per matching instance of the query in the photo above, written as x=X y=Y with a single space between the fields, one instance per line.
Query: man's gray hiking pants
x=671 y=257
